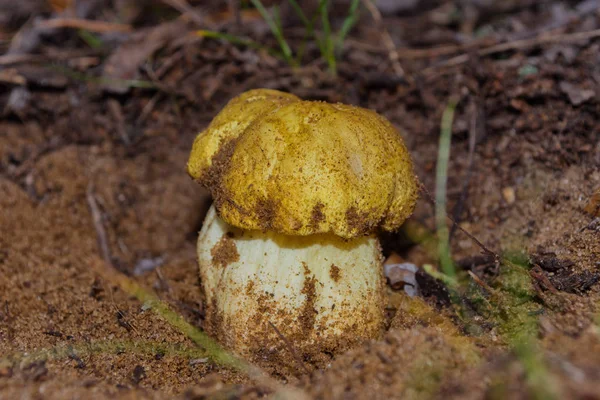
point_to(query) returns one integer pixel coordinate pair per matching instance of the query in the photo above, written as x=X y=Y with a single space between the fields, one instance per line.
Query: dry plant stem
x=387 y=39
x=415 y=54
x=184 y=7
x=102 y=239
x=542 y=39
x=97 y=219
x=12 y=59
x=115 y=109
x=519 y=44
x=473 y=238
x=86 y=24
x=234 y=8
x=480 y=282
x=458 y=208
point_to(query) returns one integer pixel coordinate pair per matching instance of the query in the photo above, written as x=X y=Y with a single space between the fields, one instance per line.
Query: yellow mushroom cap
x=304 y=167
x=231 y=123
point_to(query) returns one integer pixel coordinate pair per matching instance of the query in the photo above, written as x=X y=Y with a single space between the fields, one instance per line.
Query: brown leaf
x=576 y=94
x=124 y=63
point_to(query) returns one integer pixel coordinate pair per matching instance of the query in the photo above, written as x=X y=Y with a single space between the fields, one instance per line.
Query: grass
x=510 y=305
x=101 y=80
x=441 y=181
x=238 y=41
x=92 y=40
x=328 y=42
x=274 y=24
x=142 y=347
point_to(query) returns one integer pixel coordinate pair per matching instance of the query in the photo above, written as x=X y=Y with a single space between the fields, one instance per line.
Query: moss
x=429 y=369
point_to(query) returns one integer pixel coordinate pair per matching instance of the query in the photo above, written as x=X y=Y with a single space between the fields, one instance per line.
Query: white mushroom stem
x=321 y=292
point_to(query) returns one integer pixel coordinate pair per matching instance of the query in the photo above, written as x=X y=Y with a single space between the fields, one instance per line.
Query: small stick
x=542 y=39
x=387 y=39
x=86 y=24
x=97 y=218
x=458 y=208
x=184 y=7
x=520 y=44
x=234 y=8
x=406 y=53
x=148 y=108
x=537 y=274
x=480 y=282
x=115 y=109
x=12 y=59
x=104 y=247
x=473 y=238
x=290 y=348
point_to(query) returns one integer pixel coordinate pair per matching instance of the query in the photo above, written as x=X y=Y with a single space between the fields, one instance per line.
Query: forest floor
x=97 y=119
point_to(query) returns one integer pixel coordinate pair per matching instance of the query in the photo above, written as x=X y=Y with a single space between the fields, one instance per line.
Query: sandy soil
x=525 y=162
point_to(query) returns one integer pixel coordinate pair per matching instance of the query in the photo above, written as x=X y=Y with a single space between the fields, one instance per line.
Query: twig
x=234 y=8
x=473 y=238
x=387 y=39
x=148 y=108
x=86 y=348
x=593 y=205
x=542 y=39
x=10 y=59
x=184 y=7
x=168 y=63
x=97 y=218
x=86 y=24
x=115 y=109
x=73 y=356
x=480 y=282
x=16 y=58
x=458 y=208
x=519 y=45
x=538 y=275
x=290 y=348
x=418 y=53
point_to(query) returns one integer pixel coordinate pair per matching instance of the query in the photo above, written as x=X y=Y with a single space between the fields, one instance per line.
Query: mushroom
x=288 y=249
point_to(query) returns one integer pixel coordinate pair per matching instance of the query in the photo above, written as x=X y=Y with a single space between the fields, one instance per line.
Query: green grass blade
x=238 y=40
x=309 y=26
x=348 y=24
x=102 y=80
x=275 y=29
x=327 y=49
x=277 y=19
x=90 y=39
x=298 y=10
x=440 y=190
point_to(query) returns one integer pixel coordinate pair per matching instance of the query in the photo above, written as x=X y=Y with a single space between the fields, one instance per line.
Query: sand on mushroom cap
x=308 y=167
